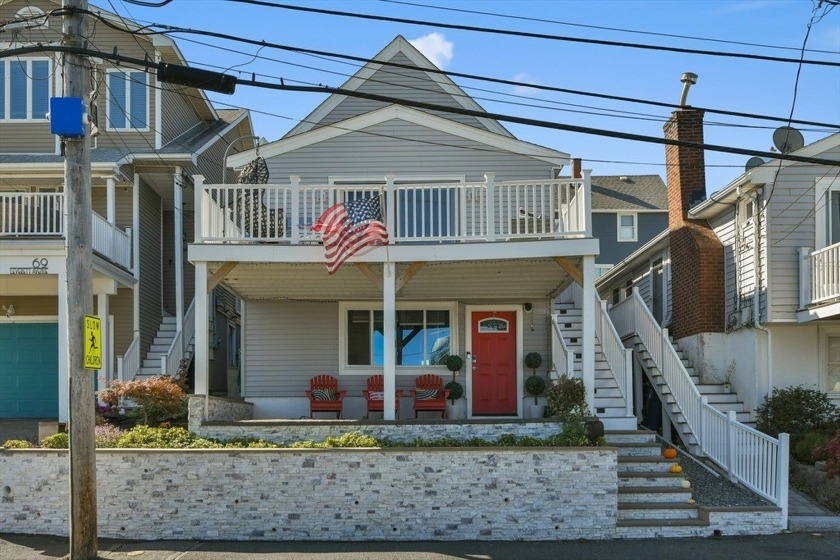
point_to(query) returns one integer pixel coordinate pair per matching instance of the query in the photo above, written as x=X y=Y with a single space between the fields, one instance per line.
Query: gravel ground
x=709 y=490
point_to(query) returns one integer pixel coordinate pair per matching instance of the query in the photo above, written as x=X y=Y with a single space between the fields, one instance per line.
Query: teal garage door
x=28 y=370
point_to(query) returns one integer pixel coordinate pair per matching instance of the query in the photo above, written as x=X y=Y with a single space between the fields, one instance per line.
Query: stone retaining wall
x=331 y=495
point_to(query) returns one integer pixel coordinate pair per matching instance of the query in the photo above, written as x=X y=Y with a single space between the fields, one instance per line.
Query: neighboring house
x=483 y=237
x=152 y=139
x=754 y=299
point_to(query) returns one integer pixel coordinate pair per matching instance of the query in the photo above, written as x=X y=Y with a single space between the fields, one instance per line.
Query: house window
x=601 y=269
x=423 y=336
x=26 y=89
x=616 y=295
x=832 y=365
x=827 y=211
x=128 y=100
x=628 y=288
x=834 y=217
x=627 y=227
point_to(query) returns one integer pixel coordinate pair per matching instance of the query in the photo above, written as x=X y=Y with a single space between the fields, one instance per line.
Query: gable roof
x=399 y=46
x=392 y=112
x=629 y=192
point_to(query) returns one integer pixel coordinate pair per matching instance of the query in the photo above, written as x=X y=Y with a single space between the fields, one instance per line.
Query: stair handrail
x=619 y=358
x=129 y=363
x=562 y=359
x=757 y=460
x=189 y=326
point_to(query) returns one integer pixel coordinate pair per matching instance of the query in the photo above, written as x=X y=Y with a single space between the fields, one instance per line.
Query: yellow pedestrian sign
x=93 y=342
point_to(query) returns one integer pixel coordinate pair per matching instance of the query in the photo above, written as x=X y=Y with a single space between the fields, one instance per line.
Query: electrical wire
x=528 y=34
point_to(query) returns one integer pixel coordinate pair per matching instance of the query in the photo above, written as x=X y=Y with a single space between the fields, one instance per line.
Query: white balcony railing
x=819 y=275
x=618 y=357
x=757 y=460
x=476 y=211
x=563 y=359
x=39 y=215
x=129 y=363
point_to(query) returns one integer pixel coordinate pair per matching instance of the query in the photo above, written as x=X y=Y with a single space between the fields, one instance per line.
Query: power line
x=532 y=35
x=599 y=27
x=446 y=109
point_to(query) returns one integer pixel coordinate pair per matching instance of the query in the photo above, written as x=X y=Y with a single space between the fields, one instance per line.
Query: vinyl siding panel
x=403 y=83
x=381 y=151
x=605 y=226
x=122 y=192
x=26 y=138
x=178 y=114
x=792 y=224
x=167 y=247
x=122 y=308
x=151 y=302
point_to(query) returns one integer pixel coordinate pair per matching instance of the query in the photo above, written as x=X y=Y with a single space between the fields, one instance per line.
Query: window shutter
x=18 y=90
x=116 y=99
x=138 y=103
x=40 y=88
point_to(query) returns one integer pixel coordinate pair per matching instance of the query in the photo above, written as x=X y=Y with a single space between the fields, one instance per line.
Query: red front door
x=494 y=363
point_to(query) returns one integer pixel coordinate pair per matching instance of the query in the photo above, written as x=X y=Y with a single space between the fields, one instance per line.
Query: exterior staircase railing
x=618 y=357
x=171 y=360
x=129 y=363
x=563 y=360
x=754 y=459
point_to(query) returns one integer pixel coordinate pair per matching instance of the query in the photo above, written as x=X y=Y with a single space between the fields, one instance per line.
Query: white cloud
x=436 y=48
x=525 y=90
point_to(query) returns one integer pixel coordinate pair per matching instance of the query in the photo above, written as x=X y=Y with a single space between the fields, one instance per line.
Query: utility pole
x=83 y=531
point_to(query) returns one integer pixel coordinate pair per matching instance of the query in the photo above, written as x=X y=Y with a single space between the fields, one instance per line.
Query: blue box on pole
x=67 y=117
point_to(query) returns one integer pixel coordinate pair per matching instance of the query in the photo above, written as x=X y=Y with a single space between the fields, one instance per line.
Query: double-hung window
x=26 y=88
x=423 y=335
x=627 y=230
x=128 y=100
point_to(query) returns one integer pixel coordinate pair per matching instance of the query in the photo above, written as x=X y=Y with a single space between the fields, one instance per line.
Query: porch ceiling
x=466 y=281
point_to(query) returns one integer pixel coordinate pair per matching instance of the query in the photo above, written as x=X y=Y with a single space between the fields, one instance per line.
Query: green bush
x=18 y=444
x=796 y=411
x=456 y=390
x=351 y=439
x=567 y=399
x=804 y=449
x=250 y=443
x=60 y=440
x=164 y=438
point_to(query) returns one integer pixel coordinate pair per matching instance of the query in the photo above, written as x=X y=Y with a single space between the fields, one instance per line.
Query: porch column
x=201 y=342
x=179 y=250
x=63 y=344
x=103 y=311
x=588 y=349
x=110 y=197
x=389 y=318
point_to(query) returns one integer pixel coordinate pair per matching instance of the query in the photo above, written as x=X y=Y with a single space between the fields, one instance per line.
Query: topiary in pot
x=534 y=385
x=567 y=399
x=454 y=363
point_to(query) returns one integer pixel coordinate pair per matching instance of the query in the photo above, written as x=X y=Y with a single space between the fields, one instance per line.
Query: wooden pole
x=83 y=545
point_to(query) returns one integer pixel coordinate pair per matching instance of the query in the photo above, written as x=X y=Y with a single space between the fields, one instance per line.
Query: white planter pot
x=531 y=410
x=457 y=411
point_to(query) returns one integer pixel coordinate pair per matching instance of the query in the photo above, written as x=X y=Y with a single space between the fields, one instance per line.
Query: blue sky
x=724 y=83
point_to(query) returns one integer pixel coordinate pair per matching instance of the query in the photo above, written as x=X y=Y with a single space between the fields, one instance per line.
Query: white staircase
x=610 y=405
x=151 y=365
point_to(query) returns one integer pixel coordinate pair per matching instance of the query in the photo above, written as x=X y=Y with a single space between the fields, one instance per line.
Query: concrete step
x=166 y=327
x=629 y=436
x=650 y=494
x=654 y=528
x=159 y=348
x=650 y=480
x=637 y=449
x=658 y=510
x=645 y=464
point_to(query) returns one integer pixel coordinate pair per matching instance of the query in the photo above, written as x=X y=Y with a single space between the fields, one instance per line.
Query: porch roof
x=496 y=279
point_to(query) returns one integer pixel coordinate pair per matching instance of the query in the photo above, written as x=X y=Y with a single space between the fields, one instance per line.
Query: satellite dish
x=753 y=162
x=787 y=139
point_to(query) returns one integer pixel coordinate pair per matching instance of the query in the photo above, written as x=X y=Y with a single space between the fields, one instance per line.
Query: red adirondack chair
x=429 y=395
x=375 y=395
x=324 y=395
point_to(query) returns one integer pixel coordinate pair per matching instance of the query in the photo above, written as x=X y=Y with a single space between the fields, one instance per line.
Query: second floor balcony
x=819 y=277
x=424 y=213
x=42 y=216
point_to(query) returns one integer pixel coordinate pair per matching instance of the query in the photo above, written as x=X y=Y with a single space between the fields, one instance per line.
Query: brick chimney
x=697 y=271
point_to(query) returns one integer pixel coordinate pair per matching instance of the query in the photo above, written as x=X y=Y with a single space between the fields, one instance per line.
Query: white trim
x=825 y=332
x=403 y=179
x=158 y=108
x=127 y=109
x=391 y=112
x=618 y=217
x=220 y=135
x=29 y=318
x=520 y=391
x=822 y=202
x=398 y=45
x=634 y=210
x=243 y=322
x=344 y=306
x=6 y=110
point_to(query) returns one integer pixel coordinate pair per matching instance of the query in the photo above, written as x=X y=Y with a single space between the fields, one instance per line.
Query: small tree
x=454 y=363
x=158 y=398
x=534 y=385
x=796 y=411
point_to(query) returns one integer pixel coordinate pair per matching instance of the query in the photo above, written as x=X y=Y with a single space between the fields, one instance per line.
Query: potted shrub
x=567 y=401
x=456 y=406
x=534 y=384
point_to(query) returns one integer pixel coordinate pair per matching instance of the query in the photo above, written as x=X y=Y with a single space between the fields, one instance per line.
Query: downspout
x=757 y=295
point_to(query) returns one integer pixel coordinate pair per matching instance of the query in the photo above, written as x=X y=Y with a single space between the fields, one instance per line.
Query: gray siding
x=122 y=308
x=380 y=153
x=151 y=302
x=99 y=200
x=605 y=228
x=639 y=273
x=791 y=224
x=178 y=115
x=410 y=84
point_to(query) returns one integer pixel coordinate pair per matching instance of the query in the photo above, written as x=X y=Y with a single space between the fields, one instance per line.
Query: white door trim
x=468 y=354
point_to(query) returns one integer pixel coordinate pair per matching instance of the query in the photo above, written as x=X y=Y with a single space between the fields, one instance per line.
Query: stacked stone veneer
x=331 y=495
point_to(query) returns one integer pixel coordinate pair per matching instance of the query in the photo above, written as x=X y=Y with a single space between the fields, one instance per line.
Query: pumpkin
x=676 y=469
x=686 y=484
x=670 y=453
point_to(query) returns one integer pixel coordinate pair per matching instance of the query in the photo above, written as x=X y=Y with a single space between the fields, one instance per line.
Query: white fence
x=758 y=461
x=42 y=215
x=563 y=360
x=129 y=363
x=478 y=211
x=819 y=275
x=618 y=357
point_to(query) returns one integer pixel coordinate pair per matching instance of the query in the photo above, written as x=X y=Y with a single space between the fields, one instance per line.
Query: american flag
x=348 y=227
